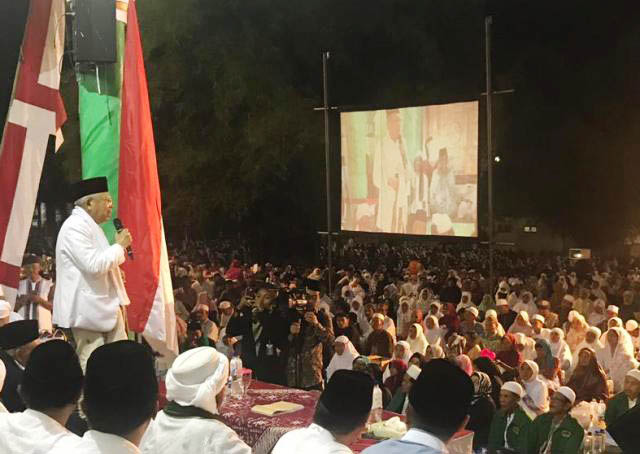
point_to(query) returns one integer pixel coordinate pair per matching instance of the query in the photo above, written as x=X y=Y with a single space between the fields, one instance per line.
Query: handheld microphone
x=117 y=223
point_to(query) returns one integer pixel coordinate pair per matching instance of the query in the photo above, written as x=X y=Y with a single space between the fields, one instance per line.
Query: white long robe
x=167 y=434
x=90 y=289
x=31 y=432
x=42 y=314
x=310 y=440
x=388 y=164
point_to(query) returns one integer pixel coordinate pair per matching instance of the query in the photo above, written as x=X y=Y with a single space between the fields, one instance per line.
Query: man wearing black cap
x=120 y=398
x=90 y=289
x=17 y=341
x=341 y=416
x=51 y=386
x=438 y=407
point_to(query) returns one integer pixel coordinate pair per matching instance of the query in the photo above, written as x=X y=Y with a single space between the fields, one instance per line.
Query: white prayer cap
x=491 y=313
x=5 y=309
x=538 y=317
x=413 y=371
x=341 y=340
x=196 y=377
x=569 y=297
x=633 y=373
x=502 y=302
x=568 y=393
x=612 y=308
x=224 y=305
x=474 y=311
x=513 y=387
x=378 y=315
x=595 y=330
x=631 y=325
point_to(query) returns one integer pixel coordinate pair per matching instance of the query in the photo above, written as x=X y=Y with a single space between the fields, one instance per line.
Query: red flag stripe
x=139 y=204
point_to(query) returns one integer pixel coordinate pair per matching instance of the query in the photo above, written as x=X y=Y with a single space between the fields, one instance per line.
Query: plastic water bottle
x=235 y=375
x=599 y=442
x=587 y=443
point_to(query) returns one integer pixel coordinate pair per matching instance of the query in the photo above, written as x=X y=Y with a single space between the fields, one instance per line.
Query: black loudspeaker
x=94 y=31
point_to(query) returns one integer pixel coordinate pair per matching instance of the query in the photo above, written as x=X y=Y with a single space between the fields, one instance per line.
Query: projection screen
x=411 y=170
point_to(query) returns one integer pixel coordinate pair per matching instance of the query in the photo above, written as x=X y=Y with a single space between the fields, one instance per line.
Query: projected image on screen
x=412 y=170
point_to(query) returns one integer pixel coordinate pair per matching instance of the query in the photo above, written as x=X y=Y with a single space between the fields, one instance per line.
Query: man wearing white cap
x=90 y=290
x=612 y=311
x=506 y=316
x=539 y=331
x=633 y=329
x=470 y=323
x=510 y=424
x=626 y=399
x=400 y=399
x=557 y=432
x=190 y=422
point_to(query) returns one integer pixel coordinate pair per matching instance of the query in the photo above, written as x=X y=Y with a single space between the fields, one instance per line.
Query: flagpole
x=489 y=104
x=327 y=158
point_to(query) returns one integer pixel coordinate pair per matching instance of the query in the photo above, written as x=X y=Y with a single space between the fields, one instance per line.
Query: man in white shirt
x=190 y=422
x=33 y=295
x=340 y=418
x=51 y=386
x=120 y=398
x=439 y=403
x=90 y=290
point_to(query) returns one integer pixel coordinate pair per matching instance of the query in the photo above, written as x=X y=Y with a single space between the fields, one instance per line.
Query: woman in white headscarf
x=402 y=351
x=432 y=331
x=189 y=423
x=560 y=349
x=592 y=341
x=424 y=300
x=597 y=316
x=526 y=346
x=405 y=310
x=536 y=400
x=417 y=341
x=521 y=325
x=343 y=357
x=576 y=329
x=616 y=358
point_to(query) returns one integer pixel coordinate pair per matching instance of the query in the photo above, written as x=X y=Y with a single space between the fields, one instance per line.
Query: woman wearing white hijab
x=560 y=349
x=598 y=315
x=576 y=329
x=424 y=300
x=401 y=351
x=343 y=357
x=521 y=325
x=432 y=331
x=405 y=311
x=536 y=400
x=417 y=341
x=189 y=423
x=592 y=341
x=616 y=358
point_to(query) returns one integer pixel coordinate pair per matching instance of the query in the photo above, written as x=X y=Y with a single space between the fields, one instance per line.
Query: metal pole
x=327 y=158
x=487 y=49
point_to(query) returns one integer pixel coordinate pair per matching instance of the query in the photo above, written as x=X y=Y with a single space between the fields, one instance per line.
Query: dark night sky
x=567 y=137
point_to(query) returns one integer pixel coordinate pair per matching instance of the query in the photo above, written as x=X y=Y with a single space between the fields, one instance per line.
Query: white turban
x=568 y=393
x=196 y=377
x=631 y=325
x=514 y=387
x=614 y=309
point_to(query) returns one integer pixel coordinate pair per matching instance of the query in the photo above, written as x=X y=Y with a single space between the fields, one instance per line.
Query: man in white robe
x=340 y=418
x=51 y=386
x=90 y=290
x=190 y=424
x=120 y=397
x=391 y=175
x=33 y=295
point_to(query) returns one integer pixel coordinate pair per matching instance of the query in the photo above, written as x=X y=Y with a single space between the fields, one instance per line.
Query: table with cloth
x=262 y=432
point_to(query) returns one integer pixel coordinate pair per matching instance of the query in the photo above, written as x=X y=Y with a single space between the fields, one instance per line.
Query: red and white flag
x=36 y=111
